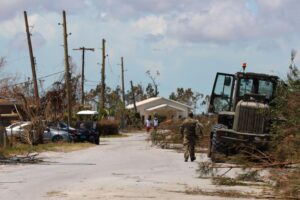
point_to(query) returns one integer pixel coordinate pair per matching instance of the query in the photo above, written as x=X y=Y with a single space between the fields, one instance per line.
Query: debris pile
x=30 y=158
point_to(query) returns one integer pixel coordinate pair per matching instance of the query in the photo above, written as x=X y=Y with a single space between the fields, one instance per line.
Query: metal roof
x=131 y=106
x=8 y=101
x=164 y=106
x=87 y=112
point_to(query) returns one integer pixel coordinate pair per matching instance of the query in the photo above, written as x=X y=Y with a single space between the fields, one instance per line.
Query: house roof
x=8 y=101
x=8 y=115
x=164 y=106
x=130 y=106
x=87 y=112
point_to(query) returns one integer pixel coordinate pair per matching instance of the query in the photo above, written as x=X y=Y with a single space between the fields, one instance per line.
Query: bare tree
x=2 y=61
x=153 y=78
x=293 y=73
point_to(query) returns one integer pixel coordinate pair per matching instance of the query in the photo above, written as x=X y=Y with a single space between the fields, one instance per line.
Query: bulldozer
x=242 y=104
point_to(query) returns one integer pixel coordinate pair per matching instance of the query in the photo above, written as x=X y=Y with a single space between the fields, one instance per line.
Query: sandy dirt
x=119 y=168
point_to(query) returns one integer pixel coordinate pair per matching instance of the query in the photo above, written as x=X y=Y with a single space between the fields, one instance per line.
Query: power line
x=91 y=85
x=51 y=74
x=91 y=81
x=115 y=77
x=111 y=70
x=9 y=61
x=40 y=78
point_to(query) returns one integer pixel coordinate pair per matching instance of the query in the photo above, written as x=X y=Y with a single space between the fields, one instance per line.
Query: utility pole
x=123 y=85
x=133 y=97
x=102 y=102
x=32 y=61
x=83 y=49
x=123 y=95
x=67 y=67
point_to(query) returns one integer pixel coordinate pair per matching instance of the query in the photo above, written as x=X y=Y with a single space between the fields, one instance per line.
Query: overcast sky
x=188 y=41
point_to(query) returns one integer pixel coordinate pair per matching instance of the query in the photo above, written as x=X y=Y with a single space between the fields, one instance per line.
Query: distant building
x=161 y=106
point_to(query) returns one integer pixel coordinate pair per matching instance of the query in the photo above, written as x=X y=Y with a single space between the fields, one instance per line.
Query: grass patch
x=56 y=194
x=206 y=170
x=227 y=181
x=219 y=193
x=114 y=136
x=209 y=170
x=250 y=176
x=287 y=182
x=22 y=149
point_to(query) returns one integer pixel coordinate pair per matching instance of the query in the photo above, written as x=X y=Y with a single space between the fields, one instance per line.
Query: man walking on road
x=190 y=130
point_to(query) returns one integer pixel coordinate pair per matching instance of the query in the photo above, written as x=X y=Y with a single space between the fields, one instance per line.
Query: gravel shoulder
x=119 y=168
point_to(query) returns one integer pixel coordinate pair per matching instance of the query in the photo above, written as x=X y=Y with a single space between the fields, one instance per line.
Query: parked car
x=61 y=126
x=56 y=135
x=17 y=129
x=81 y=134
x=85 y=134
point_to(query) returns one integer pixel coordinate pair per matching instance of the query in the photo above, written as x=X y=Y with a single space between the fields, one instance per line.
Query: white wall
x=142 y=108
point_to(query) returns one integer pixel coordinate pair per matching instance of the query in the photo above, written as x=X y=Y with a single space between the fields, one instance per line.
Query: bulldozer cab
x=229 y=89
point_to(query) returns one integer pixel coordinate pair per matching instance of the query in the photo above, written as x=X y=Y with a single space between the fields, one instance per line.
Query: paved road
x=120 y=168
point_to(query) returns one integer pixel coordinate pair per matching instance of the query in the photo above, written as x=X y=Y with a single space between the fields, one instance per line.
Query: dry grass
x=226 y=181
x=286 y=141
x=57 y=194
x=220 y=193
x=114 y=136
x=22 y=149
x=287 y=182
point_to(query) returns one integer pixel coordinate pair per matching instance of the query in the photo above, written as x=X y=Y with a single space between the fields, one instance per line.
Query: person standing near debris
x=154 y=133
x=190 y=130
x=148 y=124
x=155 y=123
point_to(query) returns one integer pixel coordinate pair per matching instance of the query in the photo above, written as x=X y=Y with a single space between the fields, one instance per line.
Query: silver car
x=17 y=129
x=56 y=135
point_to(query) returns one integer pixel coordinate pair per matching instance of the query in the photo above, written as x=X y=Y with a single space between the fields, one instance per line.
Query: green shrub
x=286 y=135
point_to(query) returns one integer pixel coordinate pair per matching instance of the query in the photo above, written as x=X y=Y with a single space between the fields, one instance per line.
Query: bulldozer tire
x=216 y=145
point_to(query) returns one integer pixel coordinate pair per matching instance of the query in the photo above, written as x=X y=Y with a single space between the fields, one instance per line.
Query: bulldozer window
x=246 y=86
x=256 y=86
x=221 y=97
x=266 y=88
x=222 y=87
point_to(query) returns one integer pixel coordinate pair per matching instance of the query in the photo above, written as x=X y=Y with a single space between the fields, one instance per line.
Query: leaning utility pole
x=83 y=49
x=67 y=68
x=133 y=97
x=102 y=102
x=36 y=91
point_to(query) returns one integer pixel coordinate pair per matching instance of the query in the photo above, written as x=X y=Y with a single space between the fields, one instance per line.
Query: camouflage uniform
x=190 y=130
